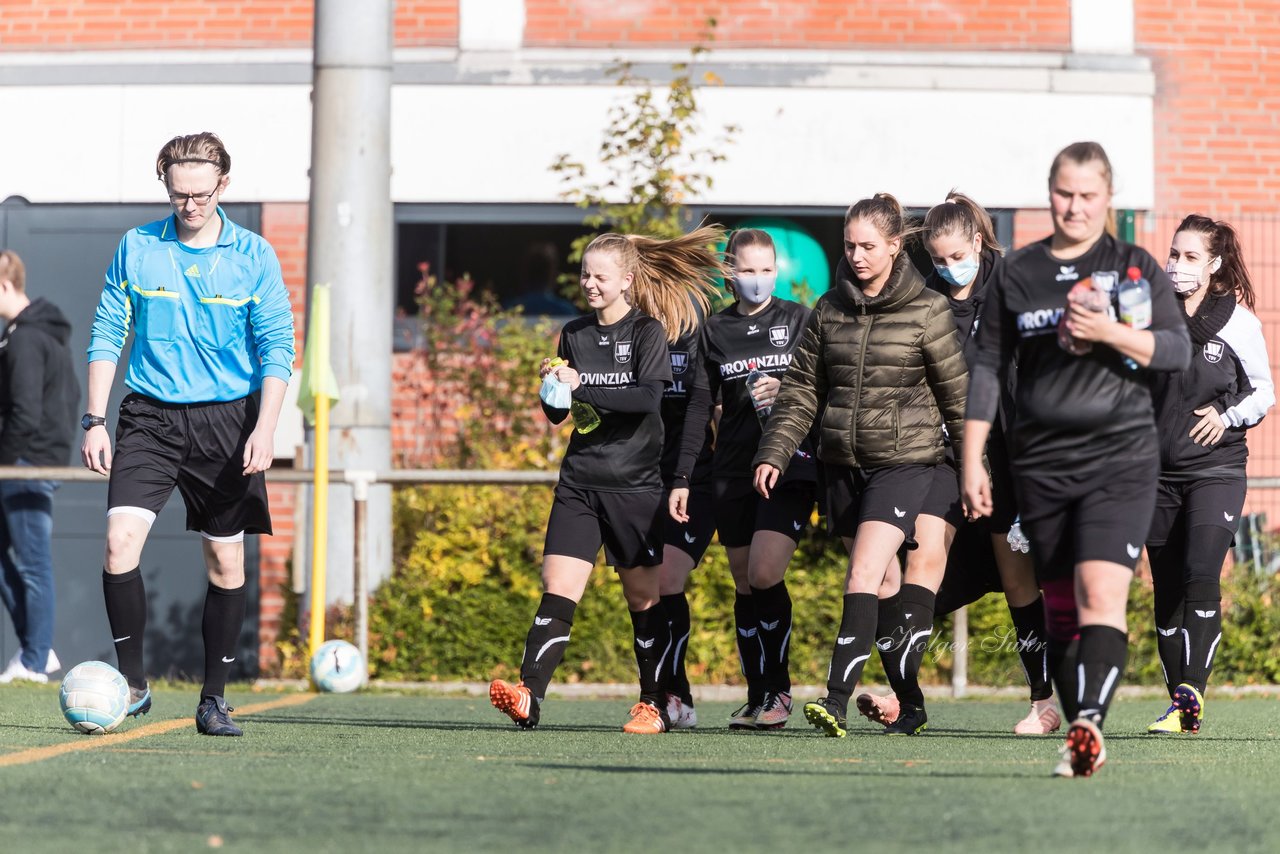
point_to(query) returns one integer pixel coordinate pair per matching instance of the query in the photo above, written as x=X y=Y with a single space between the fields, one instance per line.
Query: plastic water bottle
x=754 y=376
x=584 y=415
x=1135 y=300
x=1093 y=296
x=1017 y=540
x=1135 y=305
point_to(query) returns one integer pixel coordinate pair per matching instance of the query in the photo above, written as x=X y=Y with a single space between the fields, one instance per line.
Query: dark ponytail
x=1221 y=241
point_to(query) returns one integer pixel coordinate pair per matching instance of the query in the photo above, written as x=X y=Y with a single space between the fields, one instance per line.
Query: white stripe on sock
x=1107 y=685
x=849 y=669
x=547 y=646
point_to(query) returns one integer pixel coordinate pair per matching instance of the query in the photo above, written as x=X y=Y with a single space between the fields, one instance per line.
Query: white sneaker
x=16 y=672
x=681 y=715
x=51 y=664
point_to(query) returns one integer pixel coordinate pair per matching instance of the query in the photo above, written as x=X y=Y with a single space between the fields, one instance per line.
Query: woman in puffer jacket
x=880 y=358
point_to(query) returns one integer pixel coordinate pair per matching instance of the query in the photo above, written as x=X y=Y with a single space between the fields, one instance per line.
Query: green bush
x=468 y=581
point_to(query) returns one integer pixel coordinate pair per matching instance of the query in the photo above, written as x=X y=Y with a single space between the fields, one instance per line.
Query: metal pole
x=350 y=247
x=960 y=658
x=359 y=481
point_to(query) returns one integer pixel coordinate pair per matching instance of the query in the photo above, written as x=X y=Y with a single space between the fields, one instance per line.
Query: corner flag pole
x=318 y=389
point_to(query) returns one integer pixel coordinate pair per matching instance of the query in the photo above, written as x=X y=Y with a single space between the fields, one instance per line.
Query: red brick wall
x=81 y=24
x=1216 y=65
x=285 y=228
x=1015 y=24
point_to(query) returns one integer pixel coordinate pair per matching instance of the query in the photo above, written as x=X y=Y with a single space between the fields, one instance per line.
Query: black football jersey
x=730 y=343
x=686 y=357
x=624 y=452
x=1071 y=412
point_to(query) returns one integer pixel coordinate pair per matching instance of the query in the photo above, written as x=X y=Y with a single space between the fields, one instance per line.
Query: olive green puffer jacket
x=879 y=369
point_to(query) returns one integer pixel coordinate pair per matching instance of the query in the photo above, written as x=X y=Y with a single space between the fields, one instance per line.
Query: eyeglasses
x=181 y=199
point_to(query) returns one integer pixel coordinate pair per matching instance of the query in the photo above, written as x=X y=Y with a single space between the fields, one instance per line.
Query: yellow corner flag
x=317 y=389
x=317 y=371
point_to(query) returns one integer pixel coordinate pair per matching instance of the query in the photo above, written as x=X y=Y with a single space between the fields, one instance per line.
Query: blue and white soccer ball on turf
x=94 y=697
x=338 y=668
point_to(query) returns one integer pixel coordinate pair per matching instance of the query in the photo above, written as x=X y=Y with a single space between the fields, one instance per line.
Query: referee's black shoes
x=213 y=717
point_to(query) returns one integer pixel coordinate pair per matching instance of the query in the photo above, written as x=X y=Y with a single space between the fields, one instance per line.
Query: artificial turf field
x=401 y=772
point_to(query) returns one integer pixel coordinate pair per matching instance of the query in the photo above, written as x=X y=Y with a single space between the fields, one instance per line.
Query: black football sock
x=773 y=610
x=852 y=647
x=545 y=644
x=1167 y=582
x=653 y=650
x=917 y=626
x=1202 y=623
x=126 y=600
x=750 y=653
x=1062 y=669
x=889 y=636
x=1104 y=651
x=1033 y=647
x=677 y=607
x=223 y=618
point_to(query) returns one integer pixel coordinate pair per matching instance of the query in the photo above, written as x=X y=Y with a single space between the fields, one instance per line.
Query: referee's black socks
x=773 y=616
x=653 y=650
x=853 y=646
x=223 y=619
x=676 y=606
x=544 y=645
x=1104 y=651
x=750 y=653
x=126 y=599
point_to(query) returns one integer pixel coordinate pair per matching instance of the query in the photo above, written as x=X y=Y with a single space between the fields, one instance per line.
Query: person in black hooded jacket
x=1202 y=414
x=38 y=398
x=956 y=563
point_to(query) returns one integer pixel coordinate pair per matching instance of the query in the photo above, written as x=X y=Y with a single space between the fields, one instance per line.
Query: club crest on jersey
x=1105 y=280
x=679 y=361
x=1213 y=352
x=622 y=352
x=1067 y=273
x=779 y=336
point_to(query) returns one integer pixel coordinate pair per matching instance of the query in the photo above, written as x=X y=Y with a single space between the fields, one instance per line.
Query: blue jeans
x=26 y=565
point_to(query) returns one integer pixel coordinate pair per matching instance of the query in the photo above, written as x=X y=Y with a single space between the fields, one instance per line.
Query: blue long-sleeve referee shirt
x=208 y=323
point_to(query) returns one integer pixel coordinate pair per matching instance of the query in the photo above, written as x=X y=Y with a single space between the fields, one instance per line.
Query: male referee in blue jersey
x=212 y=328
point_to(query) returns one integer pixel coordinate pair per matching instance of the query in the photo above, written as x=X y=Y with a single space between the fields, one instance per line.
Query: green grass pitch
x=402 y=772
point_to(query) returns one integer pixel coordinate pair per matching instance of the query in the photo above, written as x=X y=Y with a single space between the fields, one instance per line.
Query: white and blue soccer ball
x=338 y=668
x=94 y=697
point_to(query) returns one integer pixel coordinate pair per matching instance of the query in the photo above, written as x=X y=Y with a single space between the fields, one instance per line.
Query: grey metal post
x=349 y=246
x=960 y=658
x=360 y=481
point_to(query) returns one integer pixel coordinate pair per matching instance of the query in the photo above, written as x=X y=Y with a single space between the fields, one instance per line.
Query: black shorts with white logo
x=197 y=447
x=943 y=499
x=627 y=524
x=694 y=536
x=1100 y=514
x=1214 y=501
x=893 y=494
x=740 y=511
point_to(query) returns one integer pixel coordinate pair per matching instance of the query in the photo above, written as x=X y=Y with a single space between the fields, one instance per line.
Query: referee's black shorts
x=197 y=447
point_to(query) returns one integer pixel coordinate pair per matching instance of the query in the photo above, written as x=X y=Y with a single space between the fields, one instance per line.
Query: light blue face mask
x=961 y=273
x=554 y=393
x=754 y=289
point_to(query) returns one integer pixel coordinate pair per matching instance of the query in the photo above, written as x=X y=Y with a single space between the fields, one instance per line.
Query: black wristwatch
x=89 y=421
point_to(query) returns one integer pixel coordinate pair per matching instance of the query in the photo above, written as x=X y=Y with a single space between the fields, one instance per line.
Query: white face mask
x=755 y=289
x=1189 y=279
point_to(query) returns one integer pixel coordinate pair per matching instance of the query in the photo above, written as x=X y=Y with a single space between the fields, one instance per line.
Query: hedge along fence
x=467 y=581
